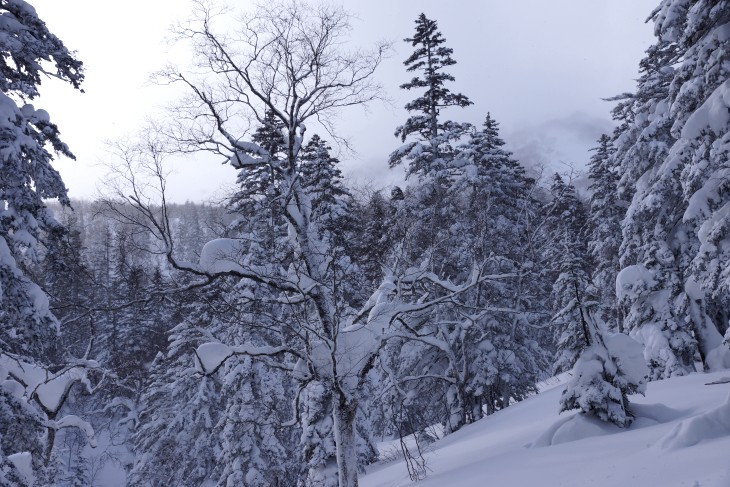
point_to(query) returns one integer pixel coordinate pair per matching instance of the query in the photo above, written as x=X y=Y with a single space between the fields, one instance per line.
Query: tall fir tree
x=431 y=150
x=572 y=291
x=255 y=200
x=480 y=355
x=606 y=212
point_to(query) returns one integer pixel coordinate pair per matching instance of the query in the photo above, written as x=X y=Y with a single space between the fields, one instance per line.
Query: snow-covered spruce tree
x=699 y=97
x=258 y=188
x=27 y=328
x=609 y=368
x=322 y=179
x=566 y=225
x=375 y=242
x=255 y=449
x=492 y=206
x=422 y=227
x=672 y=158
x=606 y=367
x=604 y=241
x=429 y=152
x=428 y=138
x=26 y=174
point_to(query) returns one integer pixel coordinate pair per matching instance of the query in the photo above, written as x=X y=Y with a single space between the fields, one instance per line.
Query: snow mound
x=652 y=414
x=712 y=424
x=574 y=428
x=580 y=426
x=494 y=448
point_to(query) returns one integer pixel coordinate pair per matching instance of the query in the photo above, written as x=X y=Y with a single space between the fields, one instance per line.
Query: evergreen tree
x=259 y=187
x=609 y=368
x=253 y=450
x=606 y=213
x=670 y=151
x=27 y=327
x=431 y=151
x=323 y=182
x=177 y=411
x=572 y=291
x=374 y=242
x=26 y=176
x=480 y=354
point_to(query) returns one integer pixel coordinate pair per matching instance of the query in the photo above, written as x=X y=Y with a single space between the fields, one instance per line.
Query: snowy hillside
x=681 y=437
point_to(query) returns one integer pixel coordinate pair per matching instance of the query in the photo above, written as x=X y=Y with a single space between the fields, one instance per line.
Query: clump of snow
x=14 y=388
x=221 y=255
x=52 y=391
x=628 y=354
x=718 y=358
x=73 y=421
x=48 y=388
x=573 y=428
x=713 y=114
x=23 y=461
x=632 y=281
x=210 y=356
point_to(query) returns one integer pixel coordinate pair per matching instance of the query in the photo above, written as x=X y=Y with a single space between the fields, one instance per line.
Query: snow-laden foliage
x=610 y=368
x=604 y=241
x=177 y=412
x=471 y=210
x=572 y=290
x=271 y=342
x=26 y=175
x=672 y=149
x=32 y=394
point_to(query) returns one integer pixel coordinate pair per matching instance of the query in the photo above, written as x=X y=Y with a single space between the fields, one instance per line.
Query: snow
x=701 y=428
x=14 y=388
x=23 y=461
x=628 y=354
x=48 y=388
x=632 y=281
x=713 y=114
x=505 y=448
x=73 y=421
x=221 y=255
x=52 y=391
x=211 y=355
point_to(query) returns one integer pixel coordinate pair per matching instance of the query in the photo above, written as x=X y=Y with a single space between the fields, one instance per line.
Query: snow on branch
x=209 y=357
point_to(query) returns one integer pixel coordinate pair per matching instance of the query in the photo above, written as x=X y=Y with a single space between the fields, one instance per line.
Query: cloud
x=559 y=143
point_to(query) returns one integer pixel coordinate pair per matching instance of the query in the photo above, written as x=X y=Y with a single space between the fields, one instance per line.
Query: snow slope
x=681 y=437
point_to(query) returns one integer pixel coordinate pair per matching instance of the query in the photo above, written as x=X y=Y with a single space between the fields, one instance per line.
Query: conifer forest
x=308 y=331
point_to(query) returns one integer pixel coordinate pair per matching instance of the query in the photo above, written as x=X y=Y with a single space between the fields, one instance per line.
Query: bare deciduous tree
x=288 y=59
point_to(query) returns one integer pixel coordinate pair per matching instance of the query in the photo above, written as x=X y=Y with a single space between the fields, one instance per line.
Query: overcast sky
x=540 y=67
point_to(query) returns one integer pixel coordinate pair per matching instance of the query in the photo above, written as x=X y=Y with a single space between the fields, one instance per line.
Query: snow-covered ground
x=681 y=437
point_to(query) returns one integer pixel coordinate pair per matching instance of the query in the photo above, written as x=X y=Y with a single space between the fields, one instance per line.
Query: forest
x=277 y=338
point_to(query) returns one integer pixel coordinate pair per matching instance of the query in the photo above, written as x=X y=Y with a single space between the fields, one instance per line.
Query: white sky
x=540 y=67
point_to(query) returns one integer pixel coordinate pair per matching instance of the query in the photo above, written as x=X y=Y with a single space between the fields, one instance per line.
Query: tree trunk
x=714 y=355
x=346 y=442
x=455 y=403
